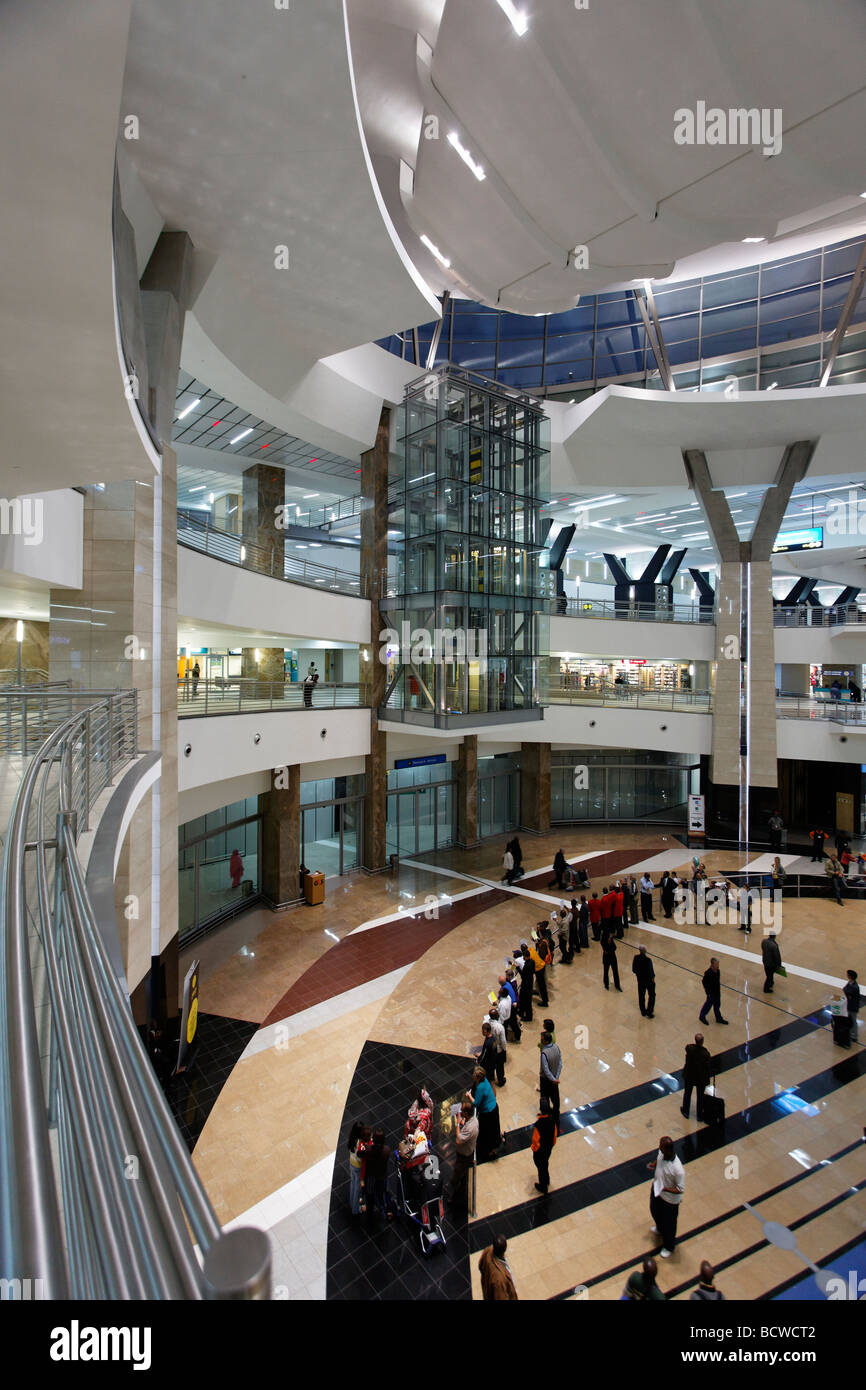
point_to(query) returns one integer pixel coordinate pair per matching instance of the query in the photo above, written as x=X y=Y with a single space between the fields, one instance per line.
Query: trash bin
x=314 y=888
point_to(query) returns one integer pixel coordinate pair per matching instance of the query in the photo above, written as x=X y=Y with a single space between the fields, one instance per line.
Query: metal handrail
x=806 y=707
x=111 y=1210
x=627 y=697
x=620 y=610
x=241 y=694
x=196 y=534
x=812 y=615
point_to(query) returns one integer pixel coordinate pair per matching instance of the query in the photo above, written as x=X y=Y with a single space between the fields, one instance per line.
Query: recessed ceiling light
x=308 y=496
x=183 y=414
x=443 y=260
x=519 y=21
x=243 y=434
x=455 y=143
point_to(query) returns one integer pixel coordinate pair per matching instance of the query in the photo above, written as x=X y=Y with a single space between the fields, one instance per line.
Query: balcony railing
x=627 y=697
x=631 y=612
x=836 y=711
x=807 y=615
x=197 y=533
x=99 y=1198
x=243 y=695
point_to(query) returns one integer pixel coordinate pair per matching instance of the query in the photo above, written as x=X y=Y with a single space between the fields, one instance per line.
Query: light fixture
x=519 y=21
x=210 y=498
x=772 y=386
x=308 y=496
x=201 y=487
x=443 y=260
x=238 y=437
x=454 y=141
x=183 y=414
x=243 y=553
x=753 y=239
x=19 y=631
x=315 y=545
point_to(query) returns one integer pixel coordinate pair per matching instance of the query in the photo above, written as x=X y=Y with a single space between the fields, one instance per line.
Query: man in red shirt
x=595 y=916
x=619 y=910
x=608 y=909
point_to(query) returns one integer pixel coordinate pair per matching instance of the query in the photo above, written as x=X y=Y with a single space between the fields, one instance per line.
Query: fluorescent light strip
x=201 y=487
x=519 y=21
x=238 y=437
x=183 y=414
x=443 y=260
x=454 y=142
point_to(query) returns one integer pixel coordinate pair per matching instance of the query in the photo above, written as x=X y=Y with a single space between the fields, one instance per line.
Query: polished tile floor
x=399 y=967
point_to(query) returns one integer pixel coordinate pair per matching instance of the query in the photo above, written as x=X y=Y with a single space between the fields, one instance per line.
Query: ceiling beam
x=646 y=302
x=851 y=300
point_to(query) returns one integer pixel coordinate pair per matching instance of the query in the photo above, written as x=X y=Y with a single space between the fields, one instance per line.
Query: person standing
x=772 y=958
x=646 y=898
x=527 y=978
x=619 y=911
x=508 y=1013
x=508 y=866
x=543 y=1139
x=583 y=920
x=817 y=837
x=560 y=868
x=644 y=970
x=465 y=1139
x=642 y=1287
x=696 y=1075
x=496 y=1280
x=357 y=1144
x=487 y=1055
x=574 y=944
x=666 y=1194
x=483 y=1097
x=833 y=870
x=376 y=1162
x=706 y=1292
x=517 y=855
x=498 y=1030
x=626 y=902
x=667 y=894
x=550 y=1071
x=310 y=682
x=776 y=825
x=712 y=983
x=608 y=959
x=594 y=906
x=605 y=909
x=196 y=677
x=851 y=991
x=633 y=899
x=538 y=965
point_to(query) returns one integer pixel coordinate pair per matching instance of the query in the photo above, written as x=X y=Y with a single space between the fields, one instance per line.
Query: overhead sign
x=809 y=538
x=420 y=762
x=696 y=814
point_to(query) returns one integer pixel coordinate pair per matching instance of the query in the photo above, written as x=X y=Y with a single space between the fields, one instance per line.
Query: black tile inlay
x=631 y=1173
x=367 y=1258
x=192 y=1096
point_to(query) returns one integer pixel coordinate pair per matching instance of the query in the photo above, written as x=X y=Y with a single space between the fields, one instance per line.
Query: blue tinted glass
x=616 y=311
x=622 y=340
x=683 y=352
x=783 y=330
x=522 y=351
x=474 y=326
x=730 y=289
x=842 y=260
x=620 y=365
x=783 y=306
x=523 y=376
x=569 y=345
x=678 y=329
x=685 y=299
x=573 y=320
x=521 y=326
x=724 y=344
x=479 y=356
x=804 y=271
x=736 y=319
x=558 y=373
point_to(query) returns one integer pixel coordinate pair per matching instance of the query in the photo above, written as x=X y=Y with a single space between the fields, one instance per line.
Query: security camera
x=257 y=738
x=592 y=723
x=663 y=727
x=187 y=749
x=844 y=738
x=323 y=734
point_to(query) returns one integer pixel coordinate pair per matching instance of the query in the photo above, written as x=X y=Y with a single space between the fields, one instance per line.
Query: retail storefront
x=589 y=784
x=629 y=673
x=219 y=858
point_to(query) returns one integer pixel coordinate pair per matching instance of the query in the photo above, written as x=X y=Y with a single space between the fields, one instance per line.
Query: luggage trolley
x=419 y=1182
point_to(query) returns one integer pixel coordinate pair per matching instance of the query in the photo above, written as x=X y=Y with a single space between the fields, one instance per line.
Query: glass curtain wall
x=469 y=635
x=498 y=794
x=422 y=809
x=218 y=865
x=332 y=824
x=620 y=785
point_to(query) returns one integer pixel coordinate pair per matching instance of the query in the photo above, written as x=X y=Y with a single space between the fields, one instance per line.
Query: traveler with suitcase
x=696 y=1075
x=852 y=994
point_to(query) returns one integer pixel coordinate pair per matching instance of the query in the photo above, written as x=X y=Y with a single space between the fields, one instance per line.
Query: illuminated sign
x=810 y=538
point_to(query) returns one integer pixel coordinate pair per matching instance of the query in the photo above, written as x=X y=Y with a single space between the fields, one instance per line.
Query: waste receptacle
x=314 y=888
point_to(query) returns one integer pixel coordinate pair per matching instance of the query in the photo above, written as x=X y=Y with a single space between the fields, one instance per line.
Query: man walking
x=608 y=958
x=646 y=898
x=642 y=967
x=549 y=1073
x=496 y=1280
x=772 y=958
x=834 y=871
x=543 y=1140
x=712 y=983
x=696 y=1075
x=666 y=1194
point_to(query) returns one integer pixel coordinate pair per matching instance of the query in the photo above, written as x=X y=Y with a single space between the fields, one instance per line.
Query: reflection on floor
x=220 y=1042
x=399 y=968
x=368 y=1259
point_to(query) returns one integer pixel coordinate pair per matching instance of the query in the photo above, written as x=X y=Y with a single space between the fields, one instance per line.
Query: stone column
x=467 y=792
x=374 y=565
x=281 y=837
x=794 y=679
x=535 y=787
x=264 y=492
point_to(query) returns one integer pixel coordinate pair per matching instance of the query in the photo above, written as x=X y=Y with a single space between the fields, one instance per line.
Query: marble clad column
x=535 y=787
x=374 y=567
x=281 y=837
x=269 y=669
x=467 y=792
x=264 y=492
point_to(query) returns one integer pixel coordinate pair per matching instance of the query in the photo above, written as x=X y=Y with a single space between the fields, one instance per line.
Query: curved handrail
x=228 y=546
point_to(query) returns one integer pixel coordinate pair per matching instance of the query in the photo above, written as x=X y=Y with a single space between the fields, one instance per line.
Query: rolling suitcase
x=842 y=1030
x=714 y=1106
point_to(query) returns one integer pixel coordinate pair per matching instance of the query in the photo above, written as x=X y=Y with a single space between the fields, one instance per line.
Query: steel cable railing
x=198 y=534
x=628 y=697
x=112 y=1207
x=241 y=695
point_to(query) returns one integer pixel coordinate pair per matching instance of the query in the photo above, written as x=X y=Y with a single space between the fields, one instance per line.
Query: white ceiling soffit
x=846 y=566
x=250 y=141
x=573 y=123
x=624 y=435
x=64 y=417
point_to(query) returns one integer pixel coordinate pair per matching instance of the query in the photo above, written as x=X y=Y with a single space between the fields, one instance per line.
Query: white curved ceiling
x=573 y=123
